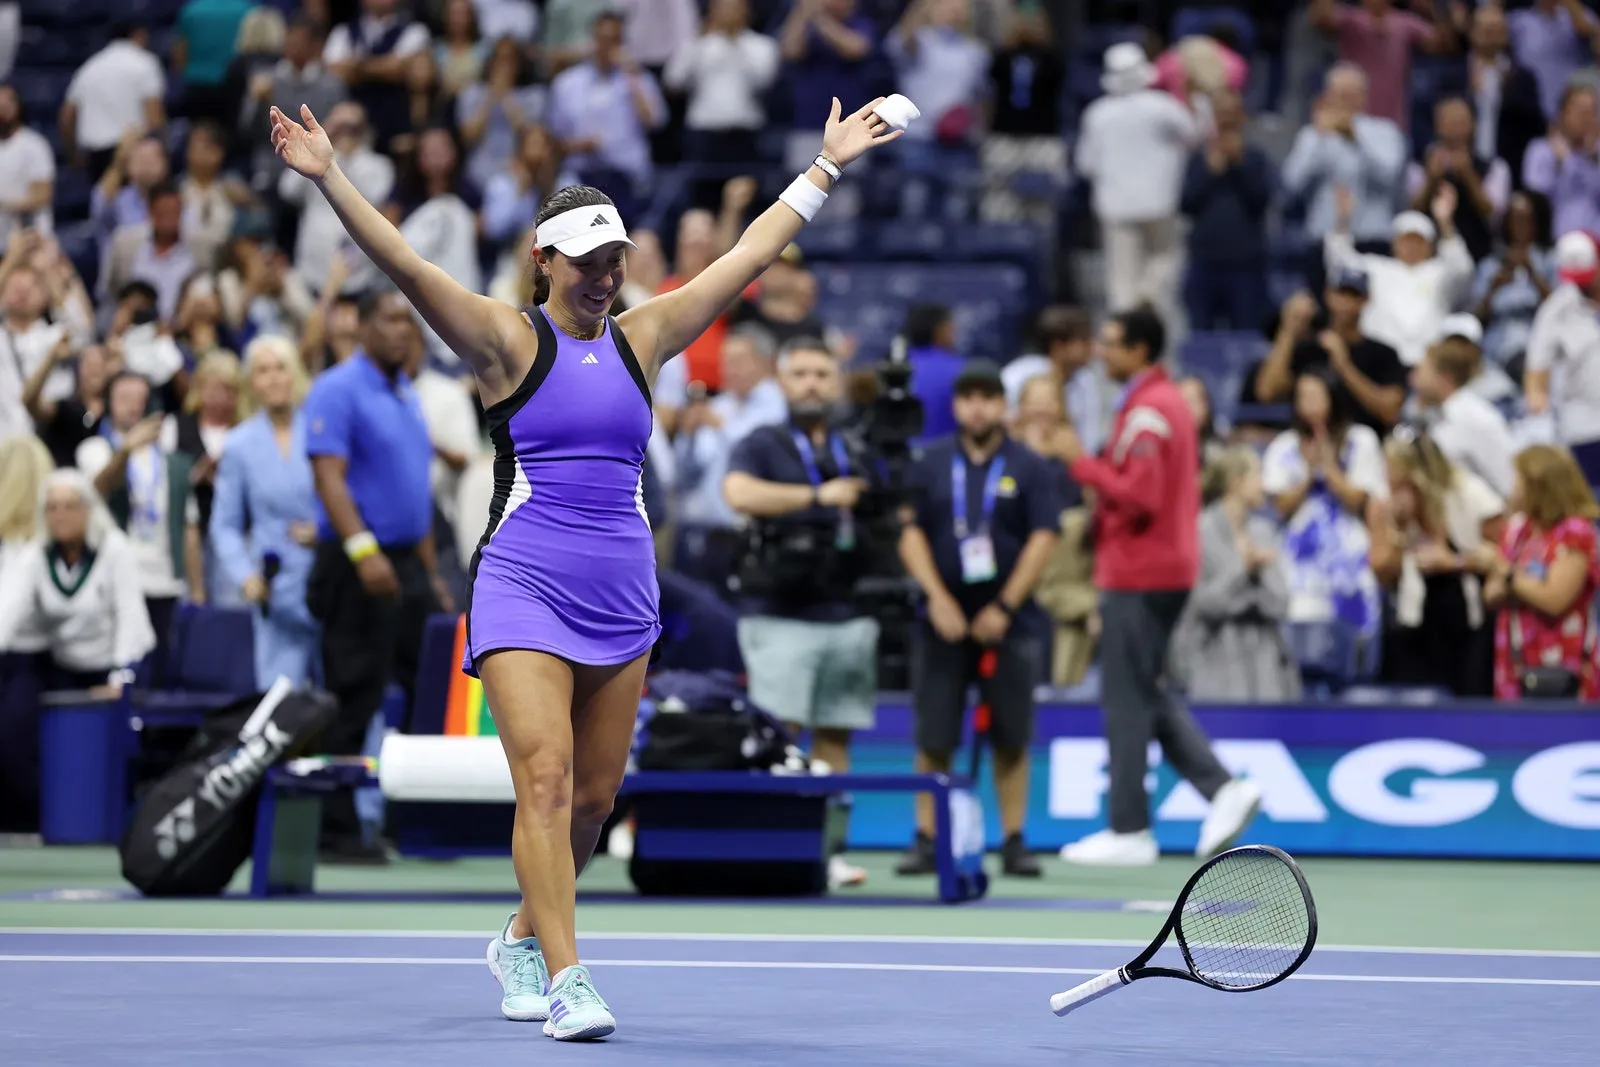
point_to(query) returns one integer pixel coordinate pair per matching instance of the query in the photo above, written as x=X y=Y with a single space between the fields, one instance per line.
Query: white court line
x=768 y=965
x=769 y=939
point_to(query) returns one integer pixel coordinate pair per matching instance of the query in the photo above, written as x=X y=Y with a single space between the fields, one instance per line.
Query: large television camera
x=797 y=562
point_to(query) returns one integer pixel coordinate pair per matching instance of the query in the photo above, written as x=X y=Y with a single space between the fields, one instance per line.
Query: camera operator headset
x=810 y=653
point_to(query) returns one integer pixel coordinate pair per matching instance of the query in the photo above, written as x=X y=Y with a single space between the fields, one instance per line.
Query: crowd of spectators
x=1402 y=451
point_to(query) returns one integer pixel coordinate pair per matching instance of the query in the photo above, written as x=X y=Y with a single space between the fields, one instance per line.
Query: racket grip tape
x=1093 y=989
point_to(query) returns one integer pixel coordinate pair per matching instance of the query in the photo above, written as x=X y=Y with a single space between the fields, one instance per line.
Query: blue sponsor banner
x=1489 y=781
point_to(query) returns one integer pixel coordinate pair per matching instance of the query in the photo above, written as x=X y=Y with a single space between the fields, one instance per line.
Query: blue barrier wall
x=1477 y=781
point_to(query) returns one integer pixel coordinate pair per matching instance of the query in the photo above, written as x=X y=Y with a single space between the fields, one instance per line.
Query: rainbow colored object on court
x=466 y=709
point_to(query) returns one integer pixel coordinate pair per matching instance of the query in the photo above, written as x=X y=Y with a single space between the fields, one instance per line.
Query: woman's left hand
x=848 y=139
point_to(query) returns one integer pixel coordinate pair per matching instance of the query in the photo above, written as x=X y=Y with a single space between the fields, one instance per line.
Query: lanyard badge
x=845 y=537
x=978 y=562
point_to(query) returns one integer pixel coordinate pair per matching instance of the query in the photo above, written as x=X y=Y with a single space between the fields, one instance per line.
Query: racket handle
x=1093 y=989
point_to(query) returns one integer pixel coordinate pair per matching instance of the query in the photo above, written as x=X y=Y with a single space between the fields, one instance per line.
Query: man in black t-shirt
x=985 y=519
x=1368 y=372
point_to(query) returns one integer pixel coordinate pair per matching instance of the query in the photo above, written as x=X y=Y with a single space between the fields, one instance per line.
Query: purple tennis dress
x=567 y=564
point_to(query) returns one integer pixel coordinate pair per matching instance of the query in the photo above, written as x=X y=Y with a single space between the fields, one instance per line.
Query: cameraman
x=810 y=654
x=987 y=515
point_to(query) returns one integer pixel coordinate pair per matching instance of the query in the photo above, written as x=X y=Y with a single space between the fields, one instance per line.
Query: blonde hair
x=272 y=344
x=1223 y=471
x=1457 y=359
x=101 y=525
x=261 y=32
x=1553 y=487
x=1417 y=459
x=218 y=366
x=24 y=465
x=1202 y=62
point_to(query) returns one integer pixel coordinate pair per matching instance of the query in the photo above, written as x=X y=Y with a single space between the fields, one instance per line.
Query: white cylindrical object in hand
x=897 y=111
x=1093 y=989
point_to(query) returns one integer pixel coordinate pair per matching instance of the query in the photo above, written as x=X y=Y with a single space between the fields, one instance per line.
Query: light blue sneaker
x=520 y=969
x=577 y=1013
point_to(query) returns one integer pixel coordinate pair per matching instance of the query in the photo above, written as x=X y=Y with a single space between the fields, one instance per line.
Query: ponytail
x=538 y=285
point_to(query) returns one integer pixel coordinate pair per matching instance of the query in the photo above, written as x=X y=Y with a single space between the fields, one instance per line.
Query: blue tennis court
x=151 y=997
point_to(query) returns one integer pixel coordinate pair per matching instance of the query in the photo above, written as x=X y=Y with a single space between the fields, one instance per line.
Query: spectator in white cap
x=1563 y=369
x=1415 y=288
x=1134 y=146
x=1468 y=429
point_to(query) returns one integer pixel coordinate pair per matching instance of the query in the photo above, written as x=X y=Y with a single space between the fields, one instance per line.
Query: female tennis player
x=562 y=609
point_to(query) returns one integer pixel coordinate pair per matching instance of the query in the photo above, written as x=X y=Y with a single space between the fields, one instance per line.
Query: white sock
x=555 y=979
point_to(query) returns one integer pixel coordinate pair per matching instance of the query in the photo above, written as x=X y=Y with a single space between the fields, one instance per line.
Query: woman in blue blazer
x=263 y=519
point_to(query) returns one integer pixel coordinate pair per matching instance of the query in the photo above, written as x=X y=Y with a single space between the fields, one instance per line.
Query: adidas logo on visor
x=599 y=220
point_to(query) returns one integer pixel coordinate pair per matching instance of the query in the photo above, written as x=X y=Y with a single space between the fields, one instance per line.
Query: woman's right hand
x=254 y=589
x=306 y=149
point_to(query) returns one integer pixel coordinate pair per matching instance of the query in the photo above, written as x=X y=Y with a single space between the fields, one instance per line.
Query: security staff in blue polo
x=985 y=520
x=809 y=651
x=374 y=578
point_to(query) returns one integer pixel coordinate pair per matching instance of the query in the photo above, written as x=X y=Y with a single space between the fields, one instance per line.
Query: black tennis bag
x=704 y=721
x=194 y=826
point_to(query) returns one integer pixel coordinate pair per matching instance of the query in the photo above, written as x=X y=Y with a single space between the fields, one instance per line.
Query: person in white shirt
x=321 y=235
x=1465 y=426
x=1133 y=146
x=27 y=171
x=77 y=588
x=27 y=340
x=1562 y=376
x=442 y=228
x=724 y=71
x=147 y=491
x=1413 y=290
x=117 y=90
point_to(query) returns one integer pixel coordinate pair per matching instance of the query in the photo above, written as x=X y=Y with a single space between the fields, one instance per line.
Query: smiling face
x=586 y=285
x=66 y=515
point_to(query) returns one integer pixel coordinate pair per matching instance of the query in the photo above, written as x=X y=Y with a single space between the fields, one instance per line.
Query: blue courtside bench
x=691 y=824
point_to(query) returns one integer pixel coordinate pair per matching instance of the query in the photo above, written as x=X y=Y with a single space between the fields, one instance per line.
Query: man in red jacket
x=1146 y=484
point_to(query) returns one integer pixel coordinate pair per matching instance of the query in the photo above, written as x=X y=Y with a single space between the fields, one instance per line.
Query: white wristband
x=359 y=546
x=804 y=197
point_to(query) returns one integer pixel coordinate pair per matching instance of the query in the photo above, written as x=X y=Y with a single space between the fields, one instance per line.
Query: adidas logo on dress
x=590 y=358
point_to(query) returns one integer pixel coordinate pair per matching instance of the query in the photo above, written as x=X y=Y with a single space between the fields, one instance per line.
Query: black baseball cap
x=1350 y=279
x=979 y=376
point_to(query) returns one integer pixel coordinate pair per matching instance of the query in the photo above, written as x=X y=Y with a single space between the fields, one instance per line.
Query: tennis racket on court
x=1244 y=922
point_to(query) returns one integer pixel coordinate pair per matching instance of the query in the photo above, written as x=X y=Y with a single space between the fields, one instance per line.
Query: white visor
x=582 y=230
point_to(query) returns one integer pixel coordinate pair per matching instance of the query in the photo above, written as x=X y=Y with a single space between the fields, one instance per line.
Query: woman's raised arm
x=475 y=327
x=663 y=326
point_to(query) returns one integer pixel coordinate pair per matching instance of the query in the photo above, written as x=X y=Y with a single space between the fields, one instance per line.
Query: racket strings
x=1246 y=922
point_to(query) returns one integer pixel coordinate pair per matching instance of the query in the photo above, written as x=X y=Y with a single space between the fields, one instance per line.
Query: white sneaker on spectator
x=842 y=873
x=1235 y=804
x=1107 y=848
